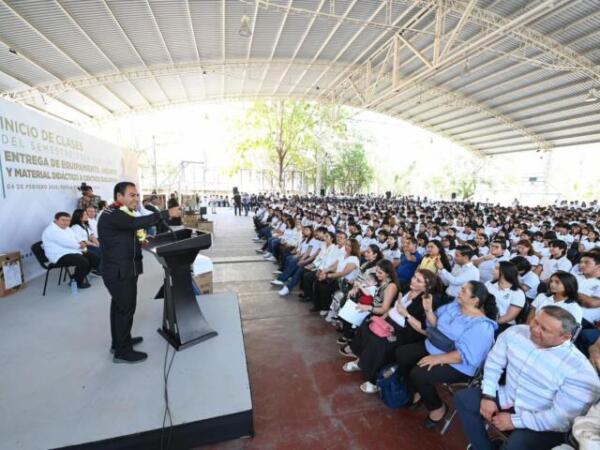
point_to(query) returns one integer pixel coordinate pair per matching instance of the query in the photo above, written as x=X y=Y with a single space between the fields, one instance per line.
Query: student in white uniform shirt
x=463 y=271
x=525 y=249
x=589 y=286
x=562 y=292
x=392 y=252
x=562 y=233
x=510 y=298
x=487 y=264
x=556 y=261
x=527 y=278
x=589 y=242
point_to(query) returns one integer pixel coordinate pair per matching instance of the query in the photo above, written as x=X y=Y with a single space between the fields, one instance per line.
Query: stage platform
x=59 y=387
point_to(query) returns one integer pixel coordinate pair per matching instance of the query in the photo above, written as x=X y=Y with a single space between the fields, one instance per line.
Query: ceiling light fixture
x=245 y=30
x=593 y=95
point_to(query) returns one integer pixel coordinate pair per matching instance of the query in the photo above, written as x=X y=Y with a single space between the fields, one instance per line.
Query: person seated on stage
x=562 y=292
x=459 y=337
x=510 y=298
x=589 y=287
x=557 y=260
x=487 y=263
x=83 y=233
x=548 y=383
x=91 y=212
x=62 y=247
x=528 y=280
x=407 y=317
x=463 y=271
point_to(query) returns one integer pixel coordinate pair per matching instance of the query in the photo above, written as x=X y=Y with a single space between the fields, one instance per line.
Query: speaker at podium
x=183 y=323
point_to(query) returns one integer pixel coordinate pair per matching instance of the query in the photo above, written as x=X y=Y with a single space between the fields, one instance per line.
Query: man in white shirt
x=61 y=247
x=589 y=286
x=548 y=383
x=463 y=271
x=486 y=264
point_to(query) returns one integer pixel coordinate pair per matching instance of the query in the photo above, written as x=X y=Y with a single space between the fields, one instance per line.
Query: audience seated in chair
x=459 y=336
x=407 y=317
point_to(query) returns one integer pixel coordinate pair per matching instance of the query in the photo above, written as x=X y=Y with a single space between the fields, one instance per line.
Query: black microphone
x=163 y=215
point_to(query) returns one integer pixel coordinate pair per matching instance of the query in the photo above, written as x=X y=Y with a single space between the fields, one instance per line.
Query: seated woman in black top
x=373 y=352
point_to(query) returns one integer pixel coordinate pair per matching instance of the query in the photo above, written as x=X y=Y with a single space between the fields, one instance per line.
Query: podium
x=183 y=324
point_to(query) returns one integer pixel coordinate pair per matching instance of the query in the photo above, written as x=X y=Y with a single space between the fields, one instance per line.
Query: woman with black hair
x=459 y=337
x=81 y=230
x=510 y=298
x=562 y=292
x=435 y=252
x=528 y=280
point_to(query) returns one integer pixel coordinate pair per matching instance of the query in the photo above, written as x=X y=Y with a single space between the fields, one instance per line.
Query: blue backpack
x=392 y=387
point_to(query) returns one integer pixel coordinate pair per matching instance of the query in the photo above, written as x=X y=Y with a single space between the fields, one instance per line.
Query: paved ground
x=301 y=397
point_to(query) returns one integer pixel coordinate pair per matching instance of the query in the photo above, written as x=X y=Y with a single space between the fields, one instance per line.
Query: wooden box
x=204 y=282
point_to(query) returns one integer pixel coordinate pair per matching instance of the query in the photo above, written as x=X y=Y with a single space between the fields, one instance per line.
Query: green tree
x=276 y=136
x=351 y=172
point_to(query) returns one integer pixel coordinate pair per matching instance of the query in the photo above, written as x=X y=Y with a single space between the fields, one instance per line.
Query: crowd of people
x=455 y=292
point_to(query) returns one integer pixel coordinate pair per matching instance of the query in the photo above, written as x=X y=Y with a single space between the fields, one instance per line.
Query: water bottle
x=74 y=289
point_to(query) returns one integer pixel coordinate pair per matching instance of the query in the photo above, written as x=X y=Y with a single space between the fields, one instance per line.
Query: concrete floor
x=301 y=397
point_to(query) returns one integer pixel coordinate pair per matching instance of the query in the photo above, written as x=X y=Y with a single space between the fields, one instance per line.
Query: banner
x=42 y=163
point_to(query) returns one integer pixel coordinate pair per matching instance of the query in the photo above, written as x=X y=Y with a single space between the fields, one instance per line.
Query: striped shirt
x=547 y=387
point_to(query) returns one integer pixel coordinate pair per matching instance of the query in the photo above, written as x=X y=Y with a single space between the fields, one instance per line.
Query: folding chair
x=474 y=381
x=38 y=252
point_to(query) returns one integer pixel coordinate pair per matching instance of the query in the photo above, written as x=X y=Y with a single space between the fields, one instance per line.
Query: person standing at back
x=121 y=235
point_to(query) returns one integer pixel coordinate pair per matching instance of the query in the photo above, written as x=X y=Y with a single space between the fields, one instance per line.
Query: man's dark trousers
x=123 y=293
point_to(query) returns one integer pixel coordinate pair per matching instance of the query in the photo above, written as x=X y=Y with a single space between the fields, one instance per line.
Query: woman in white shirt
x=525 y=249
x=510 y=298
x=392 y=252
x=83 y=233
x=368 y=239
x=483 y=243
x=562 y=292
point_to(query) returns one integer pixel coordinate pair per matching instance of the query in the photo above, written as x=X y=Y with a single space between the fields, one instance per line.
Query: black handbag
x=440 y=340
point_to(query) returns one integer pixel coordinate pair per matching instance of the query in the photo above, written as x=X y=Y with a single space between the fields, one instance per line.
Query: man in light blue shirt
x=548 y=383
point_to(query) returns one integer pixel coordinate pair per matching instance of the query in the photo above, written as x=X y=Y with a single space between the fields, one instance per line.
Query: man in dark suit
x=121 y=234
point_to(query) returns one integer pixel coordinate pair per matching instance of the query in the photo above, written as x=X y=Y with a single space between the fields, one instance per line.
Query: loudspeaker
x=322 y=192
x=454 y=196
x=388 y=194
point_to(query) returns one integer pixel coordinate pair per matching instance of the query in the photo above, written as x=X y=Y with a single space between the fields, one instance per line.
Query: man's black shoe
x=84 y=285
x=130 y=357
x=134 y=341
